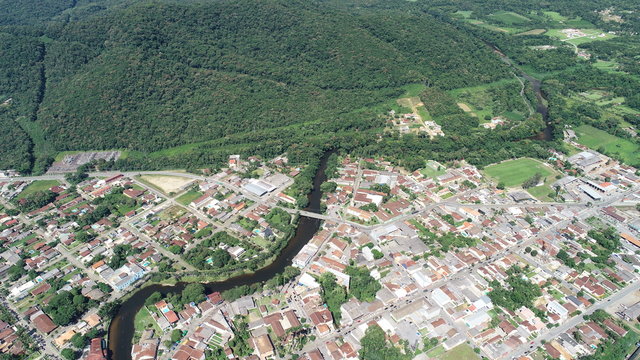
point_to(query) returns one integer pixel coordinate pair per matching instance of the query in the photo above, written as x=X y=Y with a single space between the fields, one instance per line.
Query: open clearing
x=433 y=169
x=514 y=172
x=460 y=352
x=164 y=183
x=188 y=197
x=614 y=146
x=38 y=185
x=410 y=102
x=464 y=107
x=509 y=18
x=532 y=32
x=589 y=35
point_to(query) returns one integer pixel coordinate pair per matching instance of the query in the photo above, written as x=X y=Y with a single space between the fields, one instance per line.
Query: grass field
x=541 y=192
x=509 y=18
x=532 y=32
x=480 y=100
x=514 y=172
x=460 y=352
x=38 y=185
x=188 y=197
x=431 y=170
x=608 y=66
x=622 y=149
x=555 y=16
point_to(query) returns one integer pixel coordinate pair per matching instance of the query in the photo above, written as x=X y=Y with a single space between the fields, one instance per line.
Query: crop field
x=614 y=146
x=39 y=185
x=514 y=172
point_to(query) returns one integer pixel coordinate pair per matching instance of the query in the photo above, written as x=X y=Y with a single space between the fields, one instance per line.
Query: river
x=121 y=330
x=541 y=106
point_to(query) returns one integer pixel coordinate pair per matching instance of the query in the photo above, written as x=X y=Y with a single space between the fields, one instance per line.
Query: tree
x=176 y=335
x=328 y=187
x=79 y=341
x=68 y=354
x=193 y=293
x=333 y=294
x=375 y=346
x=66 y=306
x=153 y=298
x=109 y=310
x=362 y=285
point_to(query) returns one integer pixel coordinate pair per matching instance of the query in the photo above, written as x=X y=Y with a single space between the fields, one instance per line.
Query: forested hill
x=153 y=75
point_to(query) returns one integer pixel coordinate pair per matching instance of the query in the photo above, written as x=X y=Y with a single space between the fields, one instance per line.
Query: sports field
x=620 y=148
x=514 y=172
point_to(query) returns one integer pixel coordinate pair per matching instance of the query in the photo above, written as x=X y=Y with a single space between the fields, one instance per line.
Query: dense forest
x=153 y=75
x=186 y=83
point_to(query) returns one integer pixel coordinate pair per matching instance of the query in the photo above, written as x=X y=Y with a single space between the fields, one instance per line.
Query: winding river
x=541 y=107
x=121 y=330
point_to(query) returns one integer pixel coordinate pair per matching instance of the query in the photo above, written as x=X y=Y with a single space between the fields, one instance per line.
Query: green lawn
x=143 y=320
x=188 y=197
x=38 y=185
x=541 y=192
x=620 y=148
x=431 y=170
x=515 y=172
x=460 y=352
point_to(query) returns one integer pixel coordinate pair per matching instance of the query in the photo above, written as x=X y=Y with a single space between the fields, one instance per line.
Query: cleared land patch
x=166 y=184
x=460 y=352
x=509 y=18
x=514 y=172
x=464 y=107
x=532 y=32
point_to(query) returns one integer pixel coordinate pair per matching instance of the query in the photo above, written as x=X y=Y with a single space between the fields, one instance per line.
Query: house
x=263 y=346
x=42 y=322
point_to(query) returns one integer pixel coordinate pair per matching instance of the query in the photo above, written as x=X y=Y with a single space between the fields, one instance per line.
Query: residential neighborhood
x=433 y=258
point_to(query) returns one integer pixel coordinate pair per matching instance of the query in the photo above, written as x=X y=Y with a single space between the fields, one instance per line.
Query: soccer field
x=515 y=172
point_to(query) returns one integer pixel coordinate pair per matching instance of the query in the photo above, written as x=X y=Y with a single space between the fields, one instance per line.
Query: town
x=447 y=262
